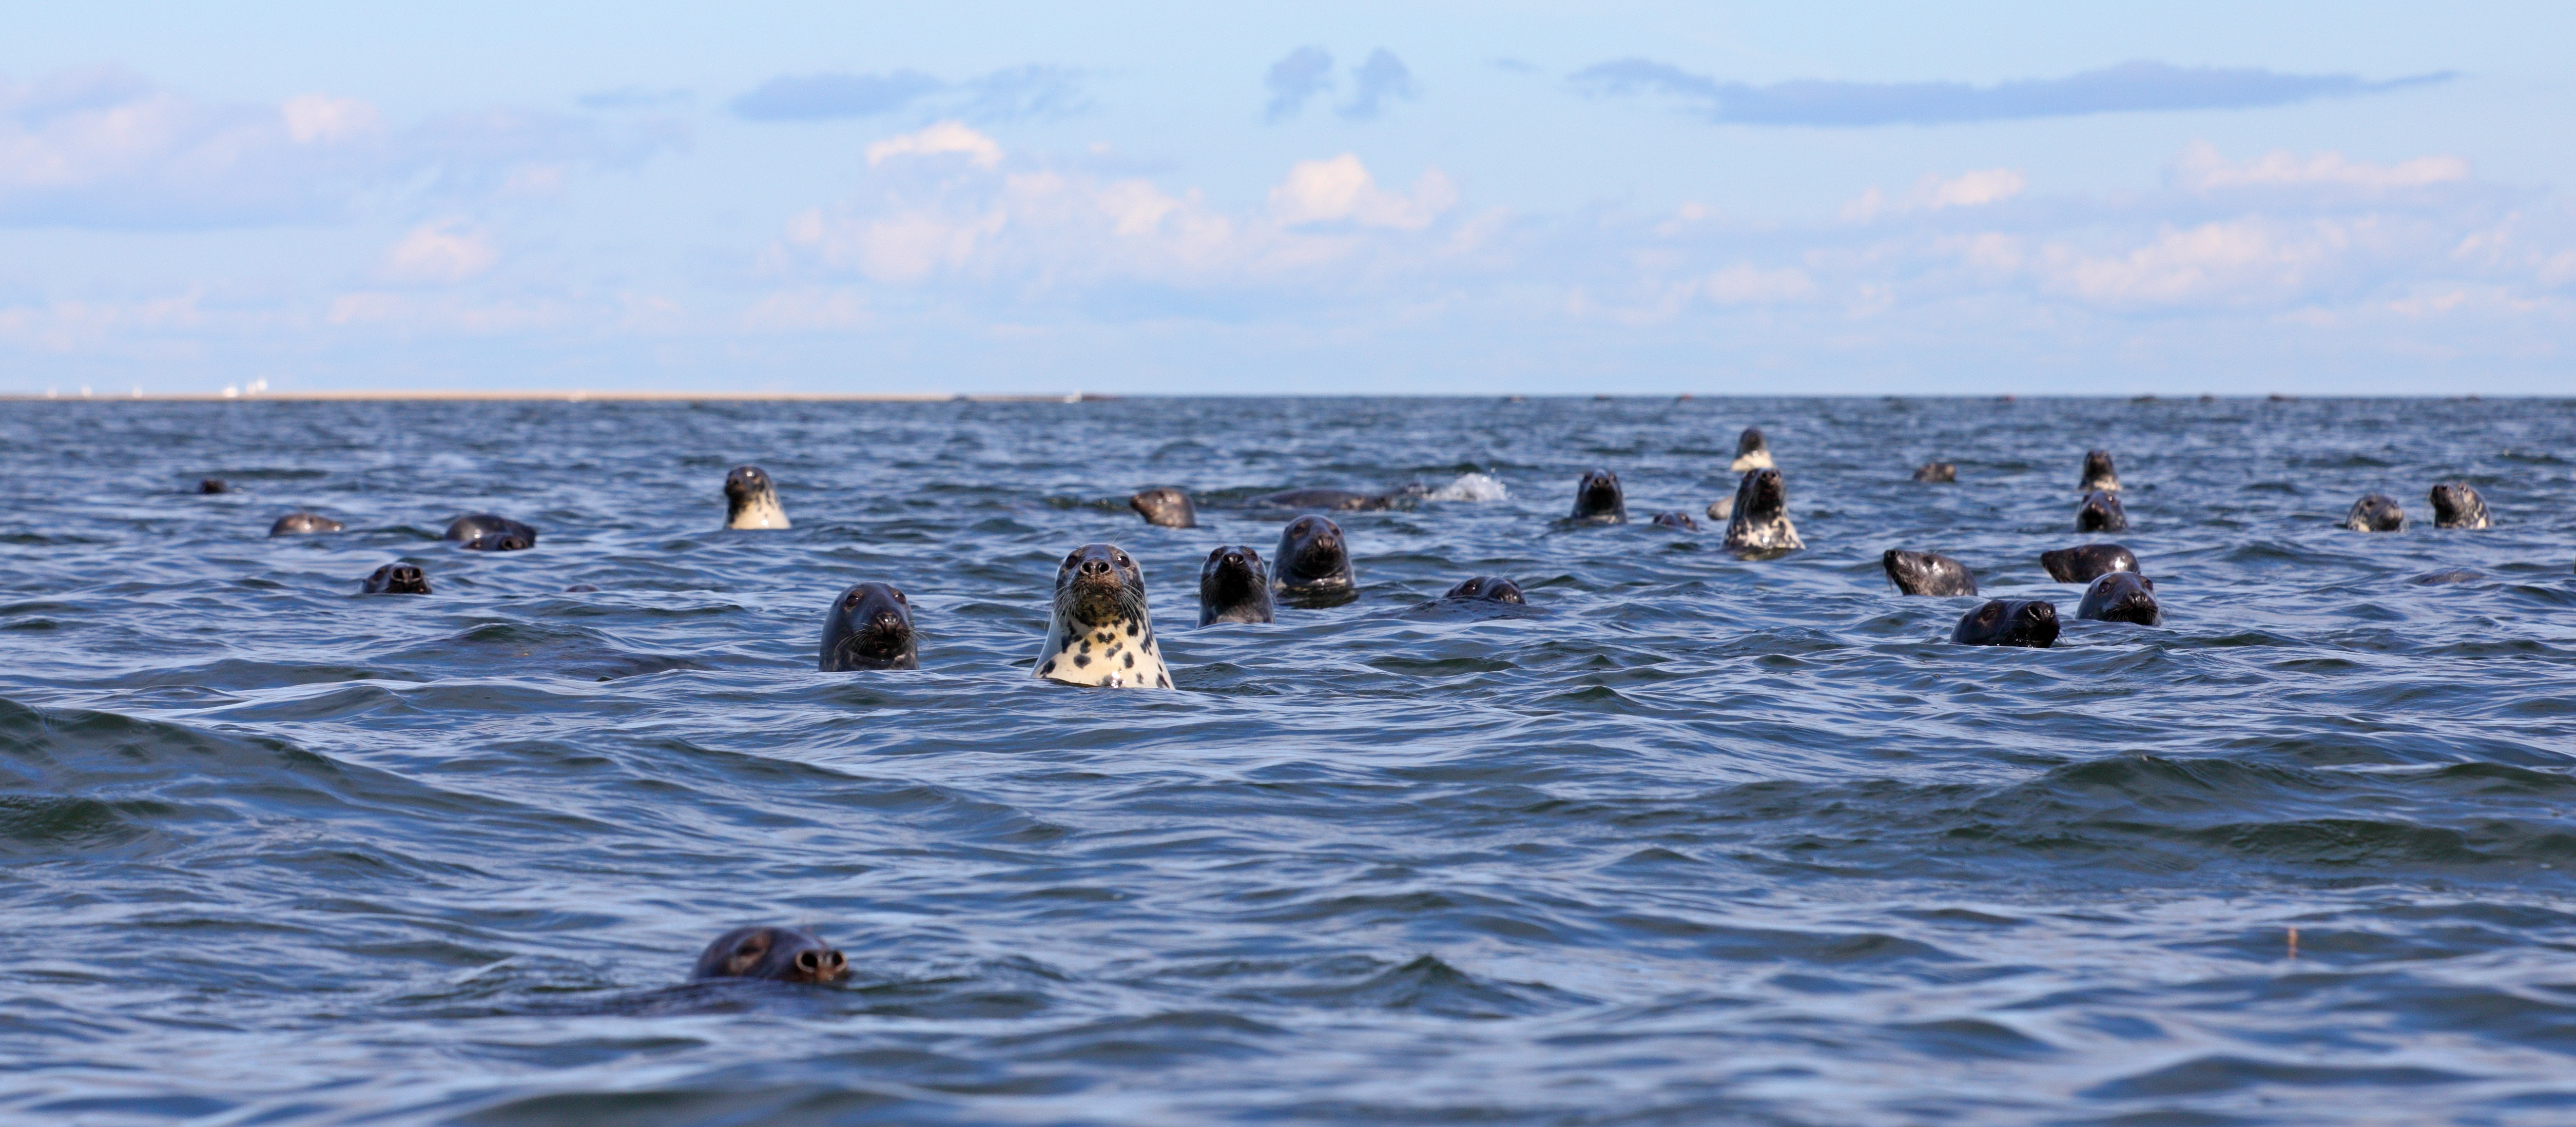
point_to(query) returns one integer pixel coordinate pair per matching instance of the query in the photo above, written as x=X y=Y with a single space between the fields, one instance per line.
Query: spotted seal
x=1165 y=507
x=1760 y=527
x=1937 y=473
x=2101 y=512
x=1927 y=573
x=2086 y=562
x=300 y=523
x=2009 y=622
x=774 y=954
x=2099 y=477
x=751 y=501
x=1489 y=589
x=484 y=532
x=869 y=627
x=1100 y=631
x=397 y=579
x=2121 y=596
x=1598 y=498
x=1234 y=586
x=1752 y=451
x=2377 y=512
x=2457 y=505
x=1677 y=519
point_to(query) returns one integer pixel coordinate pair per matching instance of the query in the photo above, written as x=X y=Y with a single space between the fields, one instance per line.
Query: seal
x=869 y=627
x=1927 y=573
x=397 y=579
x=1760 y=525
x=773 y=954
x=1336 y=500
x=1677 y=519
x=2457 y=505
x=1937 y=473
x=2099 y=477
x=2377 y=512
x=2101 y=512
x=1100 y=632
x=2009 y=622
x=1488 y=588
x=1752 y=451
x=2086 y=562
x=1598 y=498
x=1313 y=561
x=2121 y=596
x=2455 y=575
x=302 y=523
x=750 y=500
x=1234 y=586
x=215 y=485
x=1722 y=509
x=484 y=532
x=1165 y=507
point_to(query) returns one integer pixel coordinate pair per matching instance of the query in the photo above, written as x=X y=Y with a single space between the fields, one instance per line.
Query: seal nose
x=1234 y=559
x=1095 y=567
x=887 y=619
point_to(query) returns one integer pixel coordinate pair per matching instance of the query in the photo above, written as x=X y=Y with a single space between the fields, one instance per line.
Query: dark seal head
x=1100 y=631
x=869 y=627
x=2457 y=505
x=1488 y=588
x=751 y=500
x=1312 y=559
x=398 y=579
x=2098 y=474
x=1759 y=527
x=303 y=524
x=2009 y=622
x=772 y=954
x=1927 y=573
x=1937 y=473
x=1336 y=500
x=1752 y=451
x=2121 y=596
x=2378 y=512
x=1598 y=498
x=1677 y=519
x=484 y=532
x=1234 y=586
x=2101 y=512
x=1165 y=507
x=2086 y=562
x=214 y=485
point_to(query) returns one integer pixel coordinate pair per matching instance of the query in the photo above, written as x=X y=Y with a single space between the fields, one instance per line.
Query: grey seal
x=2009 y=622
x=1938 y=473
x=215 y=485
x=2086 y=562
x=1722 y=509
x=1598 y=498
x=2121 y=596
x=2457 y=505
x=1488 y=588
x=484 y=532
x=1099 y=629
x=2101 y=512
x=1234 y=586
x=2377 y=512
x=774 y=954
x=397 y=579
x=1165 y=507
x=1313 y=562
x=1677 y=519
x=301 y=523
x=1336 y=500
x=1752 y=451
x=751 y=500
x=1927 y=573
x=1759 y=526
x=869 y=627
x=2099 y=477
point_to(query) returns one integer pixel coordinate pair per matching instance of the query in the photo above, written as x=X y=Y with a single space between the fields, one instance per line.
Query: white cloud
x=2201 y=168
x=1933 y=193
x=322 y=119
x=1342 y=189
x=445 y=251
x=945 y=137
x=1746 y=284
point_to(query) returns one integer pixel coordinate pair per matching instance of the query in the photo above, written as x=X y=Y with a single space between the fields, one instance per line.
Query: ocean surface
x=1691 y=840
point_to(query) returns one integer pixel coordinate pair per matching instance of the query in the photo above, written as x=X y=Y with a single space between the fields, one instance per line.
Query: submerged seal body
x=774 y=954
x=214 y=485
x=1488 y=588
x=2086 y=562
x=1597 y=497
x=2101 y=512
x=751 y=501
x=1234 y=586
x=1760 y=523
x=1165 y=507
x=2121 y=596
x=2457 y=505
x=1312 y=560
x=1927 y=573
x=304 y=524
x=2009 y=622
x=484 y=532
x=1099 y=632
x=1752 y=451
x=2099 y=477
x=1944 y=473
x=2377 y=512
x=397 y=579
x=1339 y=499
x=869 y=627
x=1677 y=519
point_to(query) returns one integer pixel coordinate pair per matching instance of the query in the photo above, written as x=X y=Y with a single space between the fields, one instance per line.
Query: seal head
x=2121 y=596
x=1927 y=573
x=1488 y=588
x=1938 y=473
x=1752 y=451
x=2378 y=512
x=751 y=501
x=215 y=485
x=2457 y=505
x=1100 y=632
x=303 y=524
x=773 y=954
x=484 y=532
x=869 y=627
x=1759 y=527
x=1677 y=519
x=1598 y=498
x=1165 y=507
x=1234 y=586
x=397 y=579
x=2101 y=512
x=2086 y=562
x=2099 y=477
x=2009 y=622
x=1313 y=561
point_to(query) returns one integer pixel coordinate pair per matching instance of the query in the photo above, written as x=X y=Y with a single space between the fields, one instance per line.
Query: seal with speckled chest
x=2457 y=505
x=397 y=579
x=2377 y=512
x=751 y=501
x=2098 y=474
x=1598 y=498
x=869 y=627
x=773 y=954
x=2101 y=512
x=1165 y=507
x=1927 y=573
x=1752 y=451
x=2121 y=596
x=1234 y=586
x=1759 y=526
x=1312 y=565
x=2009 y=622
x=484 y=532
x=303 y=524
x=2086 y=562
x=1100 y=632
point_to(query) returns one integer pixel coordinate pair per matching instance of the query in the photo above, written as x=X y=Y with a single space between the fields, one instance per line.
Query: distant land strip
x=575 y=396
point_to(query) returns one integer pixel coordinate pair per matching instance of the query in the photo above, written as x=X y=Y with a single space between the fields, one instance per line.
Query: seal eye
x=1123 y=561
x=898 y=597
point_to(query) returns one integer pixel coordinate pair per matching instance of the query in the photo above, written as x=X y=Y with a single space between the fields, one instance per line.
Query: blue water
x=1694 y=840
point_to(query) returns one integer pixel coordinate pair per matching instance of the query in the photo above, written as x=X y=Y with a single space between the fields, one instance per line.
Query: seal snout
x=869 y=627
x=775 y=954
x=1598 y=497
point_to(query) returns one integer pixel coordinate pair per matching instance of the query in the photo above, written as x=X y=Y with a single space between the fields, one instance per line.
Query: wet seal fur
x=2121 y=596
x=1759 y=526
x=1489 y=589
x=1234 y=586
x=1338 y=500
x=484 y=532
x=2457 y=505
x=1313 y=562
x=397 y=579
x=215 y=485
x=770 y=954
x=1937 y=473
x=302 y=523
x=2086 y=562
x=1752 y=451
x=1598 y=498
x=2101 y=512
x=1927 y=573
x=2009 y=622
x=1100 y=632
x=2099 y=477
x=1677 y=519
x=869 y=627
x=1165 y=507
x=751 y=500
x=2377 y=512
x=1722 y=509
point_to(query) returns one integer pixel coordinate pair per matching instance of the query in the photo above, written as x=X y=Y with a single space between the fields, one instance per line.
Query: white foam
x=1471 y=487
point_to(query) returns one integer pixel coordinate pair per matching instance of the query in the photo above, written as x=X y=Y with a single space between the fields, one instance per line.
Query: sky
x=1439 y=198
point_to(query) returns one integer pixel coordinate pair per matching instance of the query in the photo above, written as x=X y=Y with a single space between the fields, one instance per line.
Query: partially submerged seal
x=2457 y=505
x=397 y=579
x=751 y=501
x=1234 y=586
x=2377 y=512
x=484 y=532
x=1598 y=498
x=2098 y=474
x=2009 y=622
x=1340 y=499
x=1099 y=631
x=869 y=627
x=301 y=523
x=1927 y=573
x=1488 y=588
x=774 y=954
x=1760 y=525
x=2101 y=512
x=214 y=485
x=1313 y=561
x=2121 y=596
x=1677 y=519
x=1937 y=473
x=1752 y=451
x=1165 y=507
x=2086 y=562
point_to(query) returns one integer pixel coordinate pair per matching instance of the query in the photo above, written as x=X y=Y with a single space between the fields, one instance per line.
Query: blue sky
x=1428 y=197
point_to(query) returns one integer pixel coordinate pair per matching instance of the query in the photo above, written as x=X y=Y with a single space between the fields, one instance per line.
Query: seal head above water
x=1939 y=473
x=215 y=485
x=397 y=579
x=1759 y=526
x=1099 y=631
x=1752 y=451
x=2377 y=512
x=1598 y=498
x=2009 y=622
x=1234 y=586
x=2457 y=505
x=303 y=524
x=869 y=627
x=484 y=532
x=1927 y=573
x=2121 y=596
x=2098 y=474
x=1165 y=507
x=1488 y=588
x=773 y=954
x=2101 y=512
x=2086 y=562
x=1313 y=561
x=1677 y=519
x=751 y=501
x=1337 y=500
